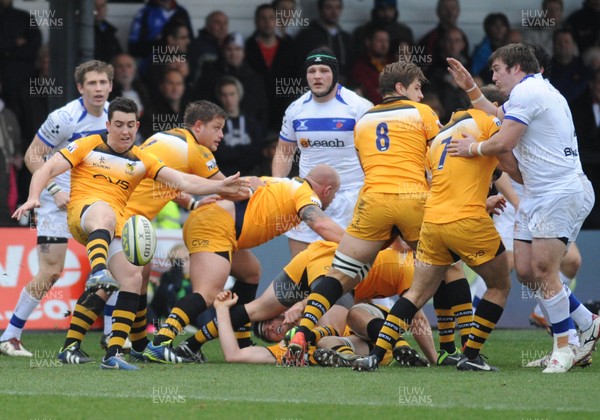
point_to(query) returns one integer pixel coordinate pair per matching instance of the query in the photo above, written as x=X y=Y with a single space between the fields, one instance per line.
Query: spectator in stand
x=441 y=82
x=233 y=63
x=272 y=58
x=20 y=40
x=551 y=20
x=241 y=146
x=168 y=107
x=268 y=153
x=586 y=117
x=149 y=22
x=106 y=44
x=496 y=27
x=513 y=36
x=431 y=99
x=31 y=111
x=403 y=53
x=172 y=47
x=585 y=24
x=385 y=16
x=11 y=159
x=365 y=72
x=447 y=12
x=569 y=75
x=207 y=46
x=126 y=82
x=591 y=58
x=326 y=32
x=286 y=15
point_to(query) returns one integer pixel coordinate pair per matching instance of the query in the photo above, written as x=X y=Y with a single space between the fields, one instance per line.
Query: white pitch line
x=279 y=401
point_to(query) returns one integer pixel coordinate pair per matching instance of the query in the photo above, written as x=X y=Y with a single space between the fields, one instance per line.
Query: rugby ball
x=139 y=240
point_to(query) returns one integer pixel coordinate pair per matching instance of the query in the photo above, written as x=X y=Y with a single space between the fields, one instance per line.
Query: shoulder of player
x=354 y=100
x=140 y=154
x=423 y=108
x=296 y=105
x=69 y=113
x=350 y=95
x=529 y=88
x=88 y=143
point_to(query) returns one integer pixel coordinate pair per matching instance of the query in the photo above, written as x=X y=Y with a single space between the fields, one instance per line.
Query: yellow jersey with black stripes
x=273 y=209
x=391 y=140
x=179 y=150
x=110 y=176
x=459 y=186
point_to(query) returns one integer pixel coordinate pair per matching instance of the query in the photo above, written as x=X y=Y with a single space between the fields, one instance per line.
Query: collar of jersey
x=104 y=137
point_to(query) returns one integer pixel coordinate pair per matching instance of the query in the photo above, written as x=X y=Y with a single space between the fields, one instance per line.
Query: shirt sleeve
x=430 y=121
x=287 y=132
x=305 y=196
x=78 y=150
x=59 y=126
x=203 y=163
x=492 y=126
x=152 y=163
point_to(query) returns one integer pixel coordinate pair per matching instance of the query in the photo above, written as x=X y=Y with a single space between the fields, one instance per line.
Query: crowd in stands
x=167 y=64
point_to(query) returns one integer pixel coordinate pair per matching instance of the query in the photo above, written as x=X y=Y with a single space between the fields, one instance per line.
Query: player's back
x=273 y=209
x=459 y=186
x=391 y=140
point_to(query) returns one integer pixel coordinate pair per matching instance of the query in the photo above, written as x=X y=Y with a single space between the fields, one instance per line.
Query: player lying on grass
x=106 y=168
x=330 y=350
x=391 y=276
x=362 y=328
x=213 y=232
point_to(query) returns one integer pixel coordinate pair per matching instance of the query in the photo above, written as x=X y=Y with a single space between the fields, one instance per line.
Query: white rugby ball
x=139 y=240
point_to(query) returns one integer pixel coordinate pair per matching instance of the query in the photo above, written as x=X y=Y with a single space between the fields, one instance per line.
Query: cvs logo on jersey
x=118 y=182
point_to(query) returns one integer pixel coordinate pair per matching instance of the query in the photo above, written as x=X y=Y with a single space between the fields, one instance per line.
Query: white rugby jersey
x=69 y=123
x=547 y=153
x=325 y=133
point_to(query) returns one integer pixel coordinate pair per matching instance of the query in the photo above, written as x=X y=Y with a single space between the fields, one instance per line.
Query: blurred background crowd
x=166 y=64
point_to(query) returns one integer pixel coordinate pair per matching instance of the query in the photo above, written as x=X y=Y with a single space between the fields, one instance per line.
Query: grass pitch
x=42 y=388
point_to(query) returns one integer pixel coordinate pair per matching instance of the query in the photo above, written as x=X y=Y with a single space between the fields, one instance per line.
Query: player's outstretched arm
x=54 y=167
x=192 y=184
x=284 y=156
x=317 y=220
x=231 y=349
x=35 y=157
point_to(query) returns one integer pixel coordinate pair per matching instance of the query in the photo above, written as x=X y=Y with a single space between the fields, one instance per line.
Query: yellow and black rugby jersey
x=179 y=150
x=459 y=186
x=100 y=171
x=391 y=140
x=273 y=209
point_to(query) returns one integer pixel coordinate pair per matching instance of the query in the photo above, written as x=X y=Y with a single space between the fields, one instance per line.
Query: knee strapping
x=350 y=266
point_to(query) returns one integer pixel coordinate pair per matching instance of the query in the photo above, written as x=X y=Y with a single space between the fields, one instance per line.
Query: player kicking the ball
x=106 y=168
